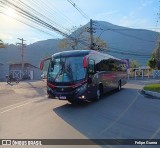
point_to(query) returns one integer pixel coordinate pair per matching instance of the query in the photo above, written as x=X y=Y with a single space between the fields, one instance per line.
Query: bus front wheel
x=73 y=101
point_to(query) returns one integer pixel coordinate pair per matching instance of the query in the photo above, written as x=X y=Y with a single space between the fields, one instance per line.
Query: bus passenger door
x=91 y=79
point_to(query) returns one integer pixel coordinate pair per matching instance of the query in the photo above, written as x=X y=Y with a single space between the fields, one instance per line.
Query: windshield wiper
x=58 y=74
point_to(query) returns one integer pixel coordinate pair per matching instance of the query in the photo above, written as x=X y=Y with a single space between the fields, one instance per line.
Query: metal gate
x=16 y=73
x=156 y=73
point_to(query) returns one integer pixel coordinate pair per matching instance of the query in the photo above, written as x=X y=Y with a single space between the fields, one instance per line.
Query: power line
x=30 y=9
x=52 y=14
x=23 y=22
x=36 y=20
x=51 y=5
x=127 y=53
x=125 y=34
x=27 y=8
x=128 y=35
x=79 y=10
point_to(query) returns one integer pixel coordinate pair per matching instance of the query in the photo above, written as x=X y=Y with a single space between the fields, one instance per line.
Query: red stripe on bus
x=75 y=85
x=51 y=85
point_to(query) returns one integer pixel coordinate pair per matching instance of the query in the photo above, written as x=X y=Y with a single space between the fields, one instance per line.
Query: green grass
x=153 y=87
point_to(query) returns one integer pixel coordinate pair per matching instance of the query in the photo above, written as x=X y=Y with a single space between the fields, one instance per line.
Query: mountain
x=122 y=42
x=127 y=43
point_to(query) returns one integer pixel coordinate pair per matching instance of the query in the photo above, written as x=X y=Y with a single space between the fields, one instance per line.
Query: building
x=30 y=71
x=1 y=72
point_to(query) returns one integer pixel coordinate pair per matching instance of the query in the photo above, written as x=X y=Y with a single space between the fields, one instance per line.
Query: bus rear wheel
x=98 y=94
x=119 y=86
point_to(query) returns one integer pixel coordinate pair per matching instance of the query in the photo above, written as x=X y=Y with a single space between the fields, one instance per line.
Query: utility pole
x=158 y=52
x=22 y=54
x=91 y=33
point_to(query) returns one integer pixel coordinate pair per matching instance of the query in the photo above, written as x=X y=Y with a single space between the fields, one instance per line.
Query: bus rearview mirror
x=41 y=65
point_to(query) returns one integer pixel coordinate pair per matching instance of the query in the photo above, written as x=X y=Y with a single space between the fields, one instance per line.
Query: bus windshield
x=66 y=69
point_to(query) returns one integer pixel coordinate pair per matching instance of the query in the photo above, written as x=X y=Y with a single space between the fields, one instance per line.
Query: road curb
x=151 y=93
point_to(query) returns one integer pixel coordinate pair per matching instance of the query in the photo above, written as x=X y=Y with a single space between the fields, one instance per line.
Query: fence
x=156 y=74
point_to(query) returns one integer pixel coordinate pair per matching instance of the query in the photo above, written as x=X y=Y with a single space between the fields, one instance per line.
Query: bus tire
x=119 y=86
x=98 y=94
x=72 y=101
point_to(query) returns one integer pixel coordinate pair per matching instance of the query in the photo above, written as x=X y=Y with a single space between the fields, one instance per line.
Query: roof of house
x=25 y=64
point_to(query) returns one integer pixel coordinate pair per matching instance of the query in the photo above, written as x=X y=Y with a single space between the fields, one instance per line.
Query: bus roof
x=74 y=53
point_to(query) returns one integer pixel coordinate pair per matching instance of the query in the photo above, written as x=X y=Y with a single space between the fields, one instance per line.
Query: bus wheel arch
x=101 y=88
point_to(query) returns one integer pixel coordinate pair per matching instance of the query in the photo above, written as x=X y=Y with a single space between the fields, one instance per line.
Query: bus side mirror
x=41 y=65
x=85 y=62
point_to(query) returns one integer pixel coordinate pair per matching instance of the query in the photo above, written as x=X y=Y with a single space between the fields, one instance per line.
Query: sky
x=61 y=14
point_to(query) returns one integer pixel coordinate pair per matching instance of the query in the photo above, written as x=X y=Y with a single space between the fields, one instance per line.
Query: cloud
x=145 y=4
x=104 y=16
x=129 y=21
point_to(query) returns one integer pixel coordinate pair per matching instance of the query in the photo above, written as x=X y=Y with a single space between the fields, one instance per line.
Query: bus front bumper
x=73 y=95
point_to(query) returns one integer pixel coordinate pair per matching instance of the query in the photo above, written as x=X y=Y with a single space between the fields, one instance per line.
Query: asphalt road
x=27 y=113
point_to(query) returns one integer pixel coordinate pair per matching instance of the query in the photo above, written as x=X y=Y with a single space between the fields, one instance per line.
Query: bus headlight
x=82 y=88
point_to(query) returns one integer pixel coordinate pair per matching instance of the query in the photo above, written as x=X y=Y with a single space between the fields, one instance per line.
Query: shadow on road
x=40 y=90
x=91 y=118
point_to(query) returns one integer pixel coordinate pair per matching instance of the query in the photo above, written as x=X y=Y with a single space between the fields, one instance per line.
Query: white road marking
x=14 y=107
x=14 y=104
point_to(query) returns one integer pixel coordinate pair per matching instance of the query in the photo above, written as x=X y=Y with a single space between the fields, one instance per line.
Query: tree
x=99 y=43
x=134 y=64
x=81 y=40
x=154 y=61
x=78 y=36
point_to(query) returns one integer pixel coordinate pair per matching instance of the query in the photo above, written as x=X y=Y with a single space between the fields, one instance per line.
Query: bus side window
x=91 y=67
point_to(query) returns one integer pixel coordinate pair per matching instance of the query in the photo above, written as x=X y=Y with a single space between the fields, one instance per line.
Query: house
x=1 y=72
x=29 y=71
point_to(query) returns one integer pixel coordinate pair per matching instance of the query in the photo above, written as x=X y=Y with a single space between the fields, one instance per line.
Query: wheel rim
x=98 y=94
x=119 y=86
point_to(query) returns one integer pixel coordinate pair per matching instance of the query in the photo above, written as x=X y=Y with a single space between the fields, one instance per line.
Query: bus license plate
x=62 y=97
